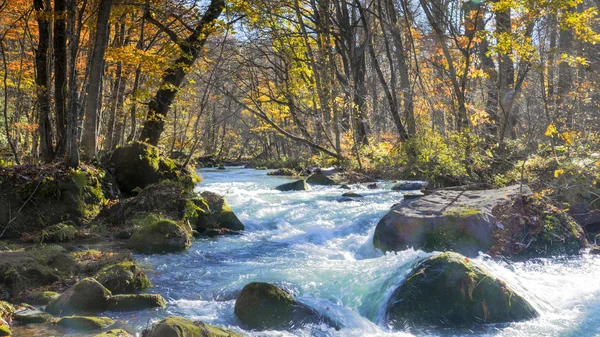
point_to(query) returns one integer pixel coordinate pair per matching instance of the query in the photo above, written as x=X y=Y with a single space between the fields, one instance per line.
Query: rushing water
x=320 y=249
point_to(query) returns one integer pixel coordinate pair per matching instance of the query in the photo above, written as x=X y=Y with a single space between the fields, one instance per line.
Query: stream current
x=320 y=250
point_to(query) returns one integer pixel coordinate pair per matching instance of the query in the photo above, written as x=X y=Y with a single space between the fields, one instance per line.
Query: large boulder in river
x=466 y=222
x=138 y=165
x=174 y=326
x=337 y=176
x=160 y=236
x=450 y=290
x=299 y=185
x=263 y=306
x=86 y=296
x=215 y=215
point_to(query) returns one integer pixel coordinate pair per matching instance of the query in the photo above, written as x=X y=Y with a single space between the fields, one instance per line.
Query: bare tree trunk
x=565 y=76
x=89 y=142
x=60 y=75
x=42 y=82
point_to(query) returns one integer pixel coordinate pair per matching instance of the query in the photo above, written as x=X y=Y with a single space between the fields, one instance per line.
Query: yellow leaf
x=551 y=130
x=557 y=173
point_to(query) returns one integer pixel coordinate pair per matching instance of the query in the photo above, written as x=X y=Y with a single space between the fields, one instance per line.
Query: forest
x=115 y=111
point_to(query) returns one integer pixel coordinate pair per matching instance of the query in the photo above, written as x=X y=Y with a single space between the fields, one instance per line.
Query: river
x=320 y=250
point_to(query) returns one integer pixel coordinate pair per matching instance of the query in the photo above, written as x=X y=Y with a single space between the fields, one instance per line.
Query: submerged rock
x=299 y=185
x=263 y=306
x=215 y=214
x=86 y=296
x=135 y=302
x=160 y=236
x=124 y=277
x=409 y=186
x=450 y=290
x=352 y=195
x=139 y=165
x=465 y=222
x=85 y=322
x=174 y=326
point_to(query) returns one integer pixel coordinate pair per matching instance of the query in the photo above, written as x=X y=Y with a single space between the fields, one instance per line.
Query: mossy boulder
x=4 y=331
x=160 y=236
x=299 y=185
x=337 y=176
x=174 y=326
x=165 y=200
x=450 y=290
x=263 y=306
x=469 y=222
x=135 y=302
x=85 y=322
x=124 y=277
x=41 y=297
x=41 y=266
x=139 y=165
x=532 y=227
x=409 y=186
x=283 y=172
x=114 y=333
x=215 y=214
x=36 y=197
x=27 y=315
x=86 y=296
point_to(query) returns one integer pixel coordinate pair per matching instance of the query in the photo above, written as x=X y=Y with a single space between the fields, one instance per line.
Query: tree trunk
x=89 y=142
x=175 y=74
x=565 y=76
x=60 y=75
x=42 y=82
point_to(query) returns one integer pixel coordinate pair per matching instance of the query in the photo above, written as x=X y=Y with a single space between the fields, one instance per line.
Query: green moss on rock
x=41 y=297
x=41 y=266
x=160 y=236
x=86 y=296
x=216 y=214
x=85 y=322
x=114 y=333
x=174 y=326
x=36 y=197
x=124 y=277
x=264 y=306
x=450 y=290
x=135 y=302
x=139 y=165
